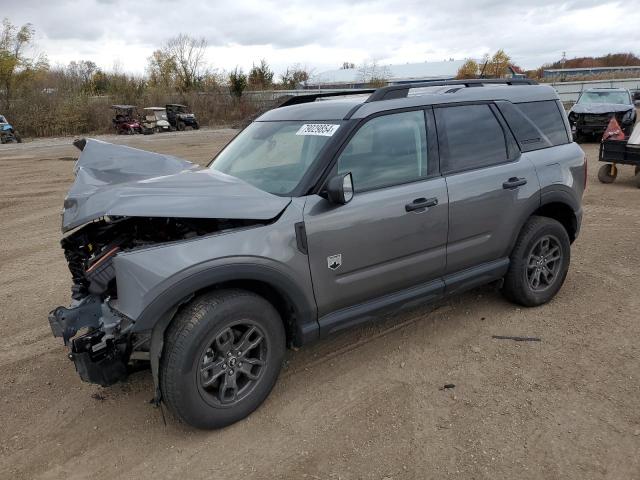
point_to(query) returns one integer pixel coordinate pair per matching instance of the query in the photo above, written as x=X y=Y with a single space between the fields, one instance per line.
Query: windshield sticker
x=320 y=129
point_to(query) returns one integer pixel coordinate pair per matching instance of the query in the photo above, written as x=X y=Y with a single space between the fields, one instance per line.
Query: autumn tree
x=162 y=69
x=294 y=76
x=15 y=64
x=498 y=65
x=261 y=75
x=469 y=69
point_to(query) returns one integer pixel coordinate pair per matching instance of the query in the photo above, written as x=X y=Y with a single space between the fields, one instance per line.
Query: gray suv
x=318 y=216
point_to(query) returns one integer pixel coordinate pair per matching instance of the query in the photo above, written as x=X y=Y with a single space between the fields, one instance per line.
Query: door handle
x=421 y=204
x=514 y=182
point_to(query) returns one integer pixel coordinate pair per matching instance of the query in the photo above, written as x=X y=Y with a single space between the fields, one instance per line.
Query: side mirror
x=340 y=189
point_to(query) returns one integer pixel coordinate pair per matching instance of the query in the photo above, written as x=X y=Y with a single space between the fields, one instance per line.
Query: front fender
x=168 y=295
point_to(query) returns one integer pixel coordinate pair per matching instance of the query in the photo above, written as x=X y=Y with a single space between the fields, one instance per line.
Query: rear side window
x=548 y=118
x=470 y=137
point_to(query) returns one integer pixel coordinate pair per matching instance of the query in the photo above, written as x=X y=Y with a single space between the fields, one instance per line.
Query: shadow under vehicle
x=180 y=118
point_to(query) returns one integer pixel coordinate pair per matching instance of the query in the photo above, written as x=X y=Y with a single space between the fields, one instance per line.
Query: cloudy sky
x=323 y=34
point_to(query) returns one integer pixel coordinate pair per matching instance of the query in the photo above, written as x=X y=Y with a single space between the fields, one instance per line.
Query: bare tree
x=188 y=54
x=374 y=74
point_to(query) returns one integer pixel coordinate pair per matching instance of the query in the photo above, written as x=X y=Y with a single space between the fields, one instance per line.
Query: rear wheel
x=539 y=262
x=607 y=174
x=181 y=126
x=222 y=356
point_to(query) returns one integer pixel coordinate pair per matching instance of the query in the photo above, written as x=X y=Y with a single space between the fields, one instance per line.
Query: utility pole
x=562 y=63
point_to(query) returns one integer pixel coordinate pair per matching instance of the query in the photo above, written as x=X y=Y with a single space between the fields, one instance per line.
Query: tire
x=518 y=286
x=180 y=126
x=196 y=126
x=17 y=136
x=636 y=170
x=637 y=178
x=605 y=173
x=210 y=328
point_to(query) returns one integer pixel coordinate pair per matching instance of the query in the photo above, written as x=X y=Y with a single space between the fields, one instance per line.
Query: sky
x=320 y=35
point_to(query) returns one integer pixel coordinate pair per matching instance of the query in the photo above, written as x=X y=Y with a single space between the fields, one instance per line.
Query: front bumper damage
x=100 y=354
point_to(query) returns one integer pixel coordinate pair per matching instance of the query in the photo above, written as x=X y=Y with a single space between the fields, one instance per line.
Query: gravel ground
x=367 y=403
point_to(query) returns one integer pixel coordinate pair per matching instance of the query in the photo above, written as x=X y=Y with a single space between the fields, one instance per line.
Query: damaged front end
x=101 y=354
x=125 y=200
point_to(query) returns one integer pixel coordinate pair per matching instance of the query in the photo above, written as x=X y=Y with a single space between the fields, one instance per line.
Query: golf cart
x=155 y=120
x=180 y=118
x=126 y=120
x=7 y=133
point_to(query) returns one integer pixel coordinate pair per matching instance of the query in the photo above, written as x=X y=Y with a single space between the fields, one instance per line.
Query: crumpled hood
x=598 y=108
x=124 y=181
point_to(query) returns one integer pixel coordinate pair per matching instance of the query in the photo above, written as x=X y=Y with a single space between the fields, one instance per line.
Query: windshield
x=274 y=156
x=605 y=97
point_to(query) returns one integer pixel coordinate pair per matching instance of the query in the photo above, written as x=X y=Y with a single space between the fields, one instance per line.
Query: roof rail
x=298 y=99
x=401 y=91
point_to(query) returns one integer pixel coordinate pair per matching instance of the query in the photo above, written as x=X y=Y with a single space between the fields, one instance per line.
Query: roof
x=175 y=105
x=606 y=89
x=392 y=73
x=124 y=107
x=154 y=108
x=358 y=107
x=589 y=69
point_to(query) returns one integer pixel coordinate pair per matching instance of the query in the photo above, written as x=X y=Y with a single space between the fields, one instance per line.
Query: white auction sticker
x=321 y=129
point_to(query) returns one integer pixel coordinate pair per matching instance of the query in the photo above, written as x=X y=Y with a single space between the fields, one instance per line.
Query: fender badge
x=334 y=261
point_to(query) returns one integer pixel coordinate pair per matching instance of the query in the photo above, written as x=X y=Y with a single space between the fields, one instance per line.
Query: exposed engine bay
x=102 y=353
x=90 y=250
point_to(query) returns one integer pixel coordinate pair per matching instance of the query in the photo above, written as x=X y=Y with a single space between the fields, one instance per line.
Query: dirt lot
x=364 y=404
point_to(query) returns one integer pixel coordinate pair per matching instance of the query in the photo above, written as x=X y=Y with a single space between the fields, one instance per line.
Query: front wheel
x=222 y=356
x=181 y=126
x=539 y=262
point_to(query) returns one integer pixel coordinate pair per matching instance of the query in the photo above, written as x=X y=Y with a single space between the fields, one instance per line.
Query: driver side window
x=387 y=150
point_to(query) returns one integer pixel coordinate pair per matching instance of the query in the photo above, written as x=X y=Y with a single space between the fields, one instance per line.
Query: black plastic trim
x=202 y=277
x=401 y=91
x=301 y=238
x=372 y=309
x=299 y=99
x=475 y=276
